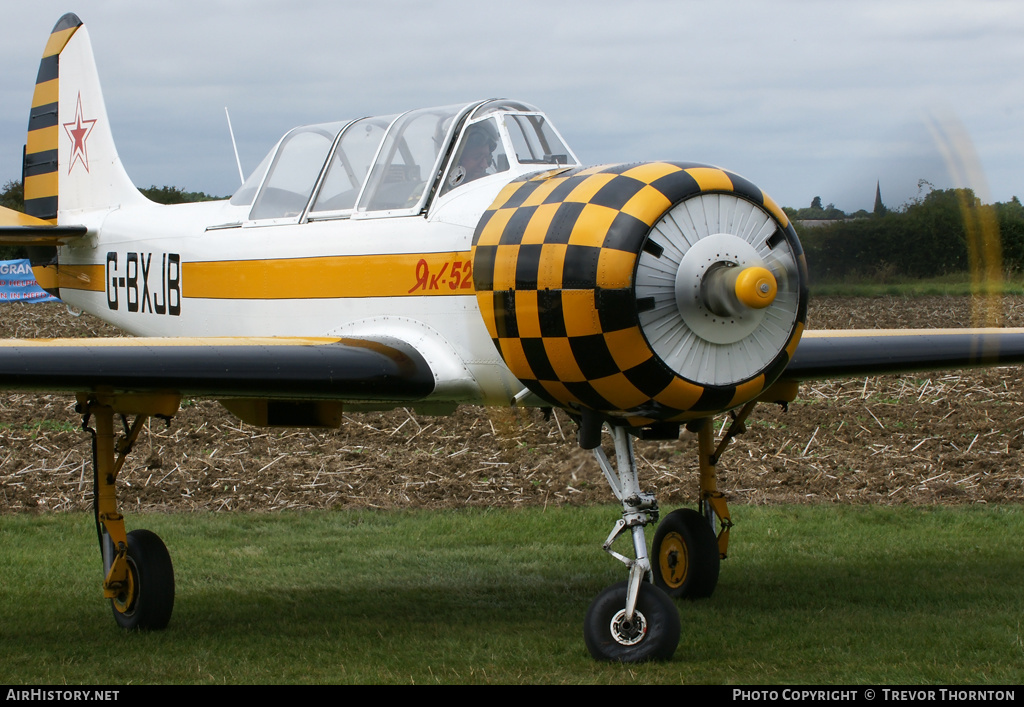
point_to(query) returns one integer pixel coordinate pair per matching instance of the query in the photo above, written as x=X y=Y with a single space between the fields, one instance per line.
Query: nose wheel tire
x=147 y=599
x=685 y=555
x=652 y=634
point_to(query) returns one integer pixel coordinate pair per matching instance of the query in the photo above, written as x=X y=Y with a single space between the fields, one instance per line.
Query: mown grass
x=810 y=594
x=955 y=285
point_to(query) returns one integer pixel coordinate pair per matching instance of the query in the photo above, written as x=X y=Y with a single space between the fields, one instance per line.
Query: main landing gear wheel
x=686 y=556
x=652 y=634
x=148 y=599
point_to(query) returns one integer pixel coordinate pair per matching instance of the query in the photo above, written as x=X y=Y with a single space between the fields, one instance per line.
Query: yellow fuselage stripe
x=80 y=277
x=399 y=275
x=170 y=342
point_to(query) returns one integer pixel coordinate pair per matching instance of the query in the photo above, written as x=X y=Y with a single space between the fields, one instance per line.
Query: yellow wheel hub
x=125 y=599
x=672 y=557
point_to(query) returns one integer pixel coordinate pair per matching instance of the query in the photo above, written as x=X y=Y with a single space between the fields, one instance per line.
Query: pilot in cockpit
x=476 y=158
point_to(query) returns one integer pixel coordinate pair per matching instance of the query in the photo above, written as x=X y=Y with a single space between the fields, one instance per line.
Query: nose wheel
x=650 y=633
x=632 y=621
x=636 y=620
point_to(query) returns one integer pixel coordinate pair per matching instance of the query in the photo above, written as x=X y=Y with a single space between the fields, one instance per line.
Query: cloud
x=804 y=102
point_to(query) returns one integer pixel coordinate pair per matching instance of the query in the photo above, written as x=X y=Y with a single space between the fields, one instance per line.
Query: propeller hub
x=727 y=289
x=756 y=287
x=725 y=281
x=719 y=283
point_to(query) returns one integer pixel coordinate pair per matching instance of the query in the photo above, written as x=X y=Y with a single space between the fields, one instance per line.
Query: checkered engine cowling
x=593 y=286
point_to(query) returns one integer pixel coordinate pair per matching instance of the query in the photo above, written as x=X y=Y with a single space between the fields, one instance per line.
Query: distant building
x=815 y=222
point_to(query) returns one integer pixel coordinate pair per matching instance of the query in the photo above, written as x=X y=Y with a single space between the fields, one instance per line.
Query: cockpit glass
x=481 y=153
x=351 y=163
x=407 y=160
x=390 y=165
x=296 y=167
x=246 y=192
x=535 y=142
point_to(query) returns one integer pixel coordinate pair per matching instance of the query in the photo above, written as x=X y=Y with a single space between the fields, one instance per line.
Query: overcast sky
x=803 y=98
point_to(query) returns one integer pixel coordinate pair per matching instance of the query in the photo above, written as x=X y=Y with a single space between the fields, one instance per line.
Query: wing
x=854 y=353
x=283 y=368
x=17 y=228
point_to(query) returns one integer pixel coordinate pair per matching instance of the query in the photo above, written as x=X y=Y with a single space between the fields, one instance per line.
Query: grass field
x=810 y=594
x=953 y=285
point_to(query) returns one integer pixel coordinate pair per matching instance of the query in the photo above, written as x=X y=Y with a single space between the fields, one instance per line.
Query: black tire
x=654 y=634
x=147 y=602
x=685 y=555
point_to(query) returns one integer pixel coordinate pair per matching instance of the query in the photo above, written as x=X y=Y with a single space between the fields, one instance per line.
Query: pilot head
x=481 y=140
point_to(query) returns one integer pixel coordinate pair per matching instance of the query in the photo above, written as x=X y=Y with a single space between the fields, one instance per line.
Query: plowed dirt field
x=952 y=438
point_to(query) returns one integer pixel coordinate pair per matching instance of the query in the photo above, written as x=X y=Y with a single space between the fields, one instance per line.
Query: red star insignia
x=79 y=130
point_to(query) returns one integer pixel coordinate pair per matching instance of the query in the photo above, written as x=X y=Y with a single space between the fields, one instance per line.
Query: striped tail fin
x=71 y=164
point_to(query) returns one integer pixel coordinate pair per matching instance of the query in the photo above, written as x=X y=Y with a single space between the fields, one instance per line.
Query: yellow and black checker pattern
x=554 y=263
x=39 y=171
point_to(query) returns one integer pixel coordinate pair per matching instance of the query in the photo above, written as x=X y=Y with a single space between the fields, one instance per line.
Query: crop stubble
x=931 y=438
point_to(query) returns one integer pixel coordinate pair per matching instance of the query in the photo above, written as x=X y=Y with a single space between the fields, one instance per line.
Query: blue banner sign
x=18 y=284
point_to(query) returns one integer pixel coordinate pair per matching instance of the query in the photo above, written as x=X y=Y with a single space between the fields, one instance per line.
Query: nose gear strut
x=636 y=620
x=632 y=621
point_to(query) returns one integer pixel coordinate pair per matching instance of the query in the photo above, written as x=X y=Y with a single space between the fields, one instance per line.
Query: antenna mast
x=238 y=161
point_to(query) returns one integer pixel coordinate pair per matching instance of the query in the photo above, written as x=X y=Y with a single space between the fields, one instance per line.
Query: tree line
x=944 y=231
x=12 y=196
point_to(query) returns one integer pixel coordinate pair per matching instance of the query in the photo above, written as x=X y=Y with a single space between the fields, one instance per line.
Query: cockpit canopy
x=393 y=165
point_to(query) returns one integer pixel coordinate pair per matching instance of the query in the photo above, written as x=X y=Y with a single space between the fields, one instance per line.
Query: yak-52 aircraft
x=443 y=256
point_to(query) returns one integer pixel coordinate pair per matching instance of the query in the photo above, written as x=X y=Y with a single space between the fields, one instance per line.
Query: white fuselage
x=200 y=270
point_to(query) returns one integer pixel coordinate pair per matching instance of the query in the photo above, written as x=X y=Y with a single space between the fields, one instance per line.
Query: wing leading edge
x=854 y=353
x=392 y=370
x=285 y=368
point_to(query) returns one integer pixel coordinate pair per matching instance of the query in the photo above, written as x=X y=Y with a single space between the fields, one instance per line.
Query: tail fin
x=71 y=163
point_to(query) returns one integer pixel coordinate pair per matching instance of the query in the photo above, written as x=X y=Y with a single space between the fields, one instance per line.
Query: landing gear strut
x=138 y=575
x=689 y=545
x=635 y=620
x=632 y=621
